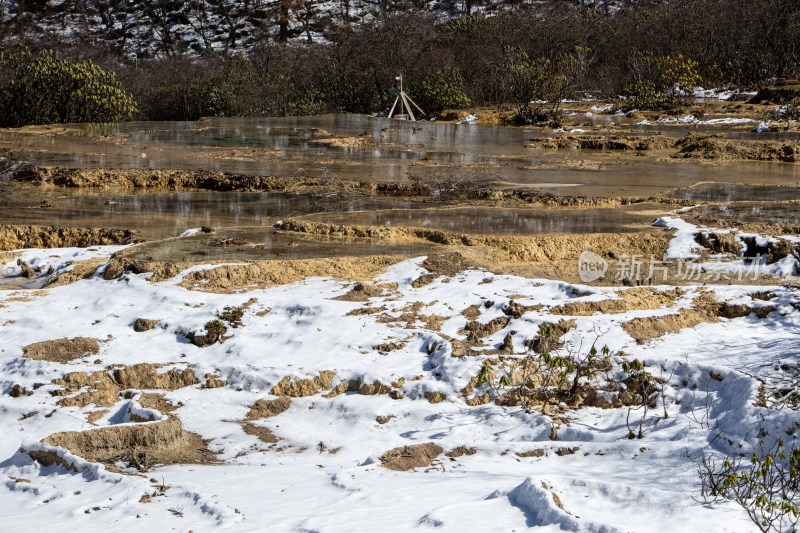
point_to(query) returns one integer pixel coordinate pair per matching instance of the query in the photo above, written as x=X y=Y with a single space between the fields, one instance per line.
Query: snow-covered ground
x=325 y=472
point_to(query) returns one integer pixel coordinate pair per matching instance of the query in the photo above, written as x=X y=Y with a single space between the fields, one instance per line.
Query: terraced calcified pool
x=159 y=215
x=767 y=212
x=260 y=243
x=505 y=221
x=367 y=148
x=736 y=192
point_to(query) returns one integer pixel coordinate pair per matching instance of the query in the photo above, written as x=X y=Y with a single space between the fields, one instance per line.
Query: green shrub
x=215 y=327
x=646 y=96
x=657 y=82
x=766 y=487
x=439 y=89
x=44 y=89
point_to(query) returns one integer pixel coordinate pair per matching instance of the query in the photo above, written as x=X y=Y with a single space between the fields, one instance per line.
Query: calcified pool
x=504 y=221
x=360 y=148
x=366 y=148
x=159 y=215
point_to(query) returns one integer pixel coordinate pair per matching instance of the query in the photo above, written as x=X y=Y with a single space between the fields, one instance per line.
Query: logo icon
x=591 y=266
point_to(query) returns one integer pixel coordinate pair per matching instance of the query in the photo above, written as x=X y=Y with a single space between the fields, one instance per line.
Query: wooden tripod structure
x=405 y=101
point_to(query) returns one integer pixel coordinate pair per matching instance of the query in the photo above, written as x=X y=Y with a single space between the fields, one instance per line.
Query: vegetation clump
x=766 y=486
x=215 y=329
x=657 y=82
x=43 y=89
x=440 y=89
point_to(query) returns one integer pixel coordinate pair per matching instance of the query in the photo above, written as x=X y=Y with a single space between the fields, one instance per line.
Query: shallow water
x=398 y=150
x=773 y=213
x=285 y=146
x=501 y=221
x=728 y=192
x=168 y=214
x=268 y=243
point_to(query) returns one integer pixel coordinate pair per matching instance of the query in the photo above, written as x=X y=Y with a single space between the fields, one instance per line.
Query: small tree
x=539 y=86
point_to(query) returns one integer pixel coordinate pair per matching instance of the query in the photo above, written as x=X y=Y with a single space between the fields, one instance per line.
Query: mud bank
x=538 y=248
x=254 y=274
x=139 y=446
x=442 y=191
x=13 y=237
x=691 y=146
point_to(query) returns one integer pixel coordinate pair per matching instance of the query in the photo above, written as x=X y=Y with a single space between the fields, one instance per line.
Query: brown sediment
x=704 y=309
x=461 y=450
x=61 y=350
x=213 y=382
x=349 y=142
x=174 y=179
x=410 y=314
x=15 y=237
x=717 y=147
x=260 y=432
x=605 y=142
x=639 y=298
x=80 y=270
x=138 y=445
x=477 y=190
x=374 y=388
x=435 y=397
x=304 y=387
x=448 y=264
x=516 y=309
x=476 y=330
x=268 y=408
x=387 y=347
x=694 y=146
x=538 y=452
x=158 y=402
x=724 y=221
x=256 y=274
x=718 y=242
x=472 y=312
x=144 y=324
x=409 y=457
x=104 y=386
x=537 y=248
x=362 y=292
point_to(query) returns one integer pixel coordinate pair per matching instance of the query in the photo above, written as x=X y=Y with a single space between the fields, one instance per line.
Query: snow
x=190 y=232
x=691 y=119
x=682 y=245
x=602 y=109
x=609 y=484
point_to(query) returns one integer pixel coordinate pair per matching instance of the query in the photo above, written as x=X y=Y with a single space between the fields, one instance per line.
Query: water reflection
x=500 y=221
x=395 y=151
